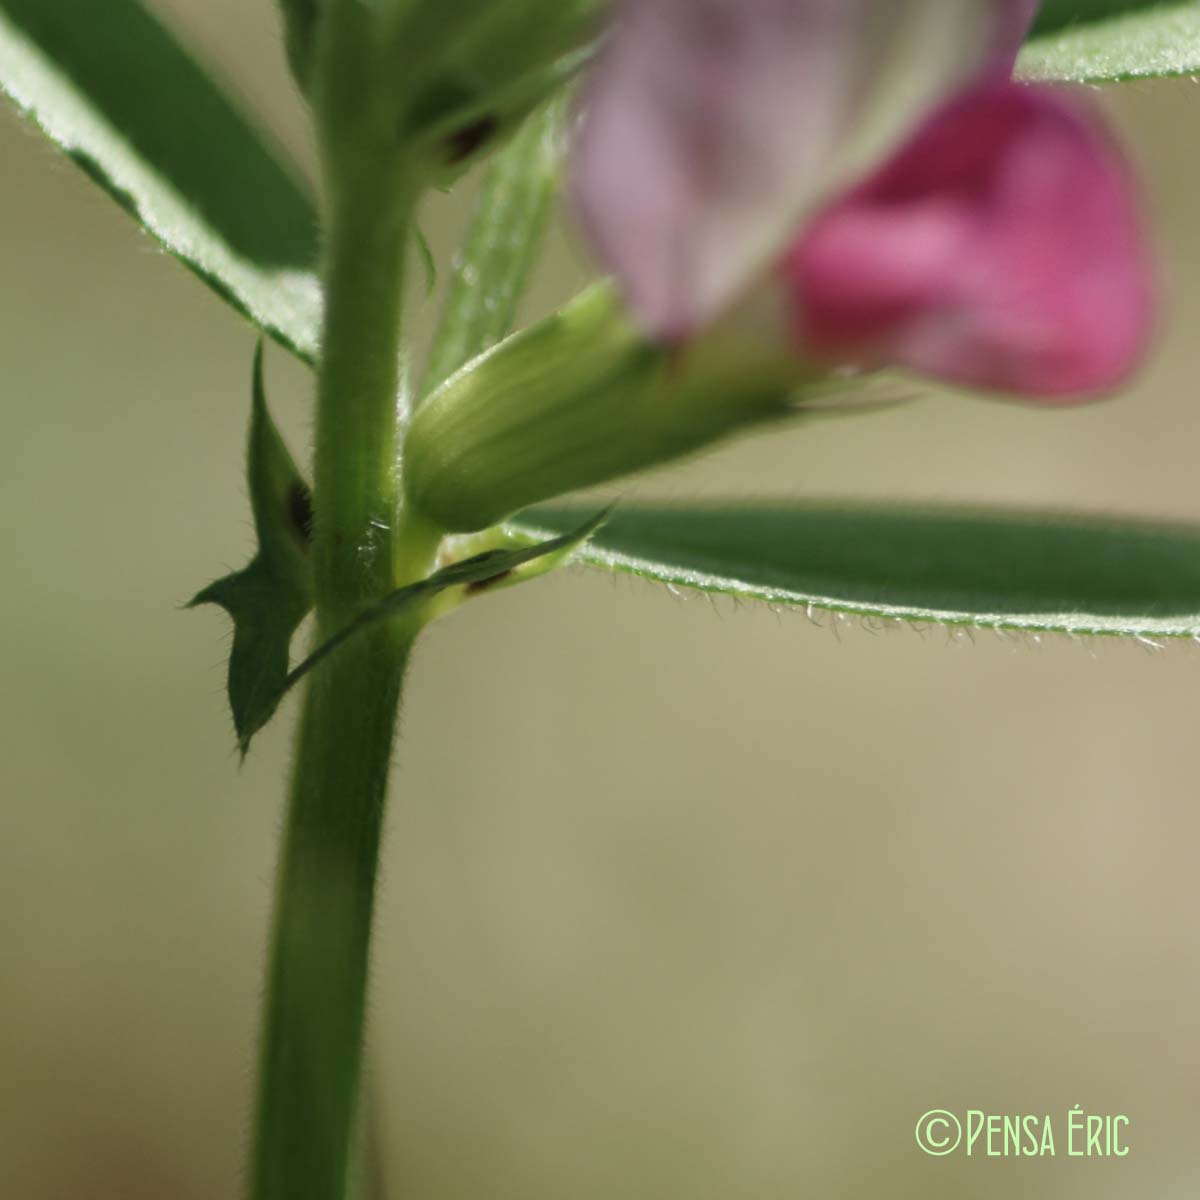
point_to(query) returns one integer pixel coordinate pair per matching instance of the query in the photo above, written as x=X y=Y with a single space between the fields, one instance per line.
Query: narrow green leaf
x=269 y=598
x=427 y=261
x=477 y=572
x=480 y=569
x=502 y=243
x=988 y=569
x=1054 y=15
x=119 y=94
x=1109 y=41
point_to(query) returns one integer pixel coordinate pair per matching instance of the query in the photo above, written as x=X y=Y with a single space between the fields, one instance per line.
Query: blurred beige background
x=677 y=902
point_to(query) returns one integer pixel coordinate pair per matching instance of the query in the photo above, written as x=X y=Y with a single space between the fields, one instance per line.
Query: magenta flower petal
x=1000 y=249
x=713 y=127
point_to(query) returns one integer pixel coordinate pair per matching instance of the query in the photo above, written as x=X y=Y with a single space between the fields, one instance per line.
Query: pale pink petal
x=1000 y=249
x=712 y=127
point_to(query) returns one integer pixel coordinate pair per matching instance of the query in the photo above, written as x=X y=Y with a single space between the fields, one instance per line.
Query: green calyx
x=574 y=401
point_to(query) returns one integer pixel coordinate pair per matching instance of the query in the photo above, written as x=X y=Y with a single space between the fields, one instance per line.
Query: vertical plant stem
x=315 y=1005
x=310 y=1067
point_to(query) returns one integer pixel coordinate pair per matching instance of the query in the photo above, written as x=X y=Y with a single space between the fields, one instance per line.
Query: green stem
x=315 y=1004
x=312 y=1036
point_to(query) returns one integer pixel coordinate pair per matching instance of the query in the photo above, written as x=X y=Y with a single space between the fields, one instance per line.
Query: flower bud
x=577 y=400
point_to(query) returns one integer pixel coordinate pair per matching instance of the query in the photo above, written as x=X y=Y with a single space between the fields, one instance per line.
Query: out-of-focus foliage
x=494 y=263
x=107 y=82
x=1108 y=41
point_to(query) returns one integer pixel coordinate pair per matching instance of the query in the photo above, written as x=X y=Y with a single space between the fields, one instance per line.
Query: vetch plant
x=990 y=237
x=794 y=203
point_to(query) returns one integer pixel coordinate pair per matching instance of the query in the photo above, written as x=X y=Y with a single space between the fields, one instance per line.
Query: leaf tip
x=259 y=389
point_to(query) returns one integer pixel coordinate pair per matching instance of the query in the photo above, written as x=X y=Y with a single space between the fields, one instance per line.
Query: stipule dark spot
x=464 y=142
x=300 y=512
x=482 y=585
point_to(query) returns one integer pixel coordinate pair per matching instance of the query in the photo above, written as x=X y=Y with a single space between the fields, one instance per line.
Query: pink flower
x=921 y=210
x=1000 y=249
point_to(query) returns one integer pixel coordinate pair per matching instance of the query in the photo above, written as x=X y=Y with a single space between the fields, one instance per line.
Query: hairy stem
x=310 y=1069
